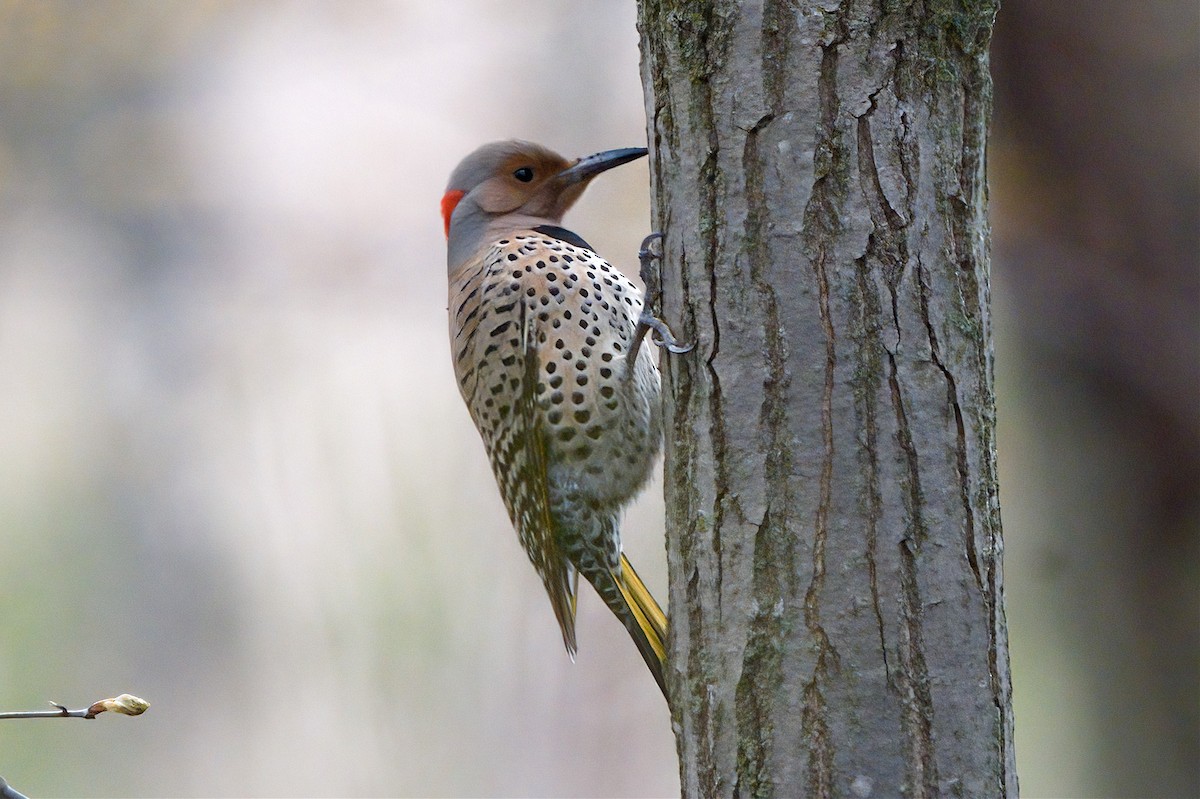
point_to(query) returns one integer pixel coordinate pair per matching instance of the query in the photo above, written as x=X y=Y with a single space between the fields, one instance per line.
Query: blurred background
x=236 y=477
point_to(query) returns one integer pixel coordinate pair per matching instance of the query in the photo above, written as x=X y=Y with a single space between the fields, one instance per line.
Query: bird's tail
x=644 y=619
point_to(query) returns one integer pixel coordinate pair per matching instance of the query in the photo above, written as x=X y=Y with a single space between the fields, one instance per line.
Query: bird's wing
x=532 y=516
x=495 y=340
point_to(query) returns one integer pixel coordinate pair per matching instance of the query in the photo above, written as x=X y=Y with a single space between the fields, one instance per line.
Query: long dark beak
x=587 y=168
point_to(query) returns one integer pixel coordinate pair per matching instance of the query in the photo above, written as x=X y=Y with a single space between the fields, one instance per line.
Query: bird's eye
x=524 y=174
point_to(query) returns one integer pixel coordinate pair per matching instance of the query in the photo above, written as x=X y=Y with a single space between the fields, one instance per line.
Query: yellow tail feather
x=651 y=621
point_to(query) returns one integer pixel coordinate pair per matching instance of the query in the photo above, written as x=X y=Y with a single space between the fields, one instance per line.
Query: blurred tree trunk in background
x=834 y=544
x=1100 y=261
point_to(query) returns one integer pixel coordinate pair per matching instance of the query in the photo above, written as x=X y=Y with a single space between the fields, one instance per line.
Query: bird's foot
x=663 y=337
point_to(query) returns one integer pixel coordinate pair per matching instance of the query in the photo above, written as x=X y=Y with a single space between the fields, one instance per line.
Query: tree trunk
x=834 y=544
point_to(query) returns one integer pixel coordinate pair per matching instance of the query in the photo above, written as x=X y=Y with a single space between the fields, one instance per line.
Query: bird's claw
x=663 y=337
x=676 y=347
x=645 y=253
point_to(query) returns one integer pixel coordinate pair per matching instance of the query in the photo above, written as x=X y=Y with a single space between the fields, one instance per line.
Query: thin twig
x=59 y=712
x=9 y=792
x=125 y=705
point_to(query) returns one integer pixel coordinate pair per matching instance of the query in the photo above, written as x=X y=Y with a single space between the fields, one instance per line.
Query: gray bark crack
x=961 y=454
x=869 y=366
x=913 y=676
x=821 y=749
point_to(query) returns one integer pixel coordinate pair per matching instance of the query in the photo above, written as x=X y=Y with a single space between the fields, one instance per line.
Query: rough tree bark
x=834 y=543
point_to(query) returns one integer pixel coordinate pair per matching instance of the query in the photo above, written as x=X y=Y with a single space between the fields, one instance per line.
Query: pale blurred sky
x=228 y=413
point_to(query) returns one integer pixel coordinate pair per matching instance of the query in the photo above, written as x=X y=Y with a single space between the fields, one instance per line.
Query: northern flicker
x=545 y=337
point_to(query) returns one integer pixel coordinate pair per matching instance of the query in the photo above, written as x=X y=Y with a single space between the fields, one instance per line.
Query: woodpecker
x=546 y=339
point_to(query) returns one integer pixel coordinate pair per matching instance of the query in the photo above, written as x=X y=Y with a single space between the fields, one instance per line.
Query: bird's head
x=509 y=185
